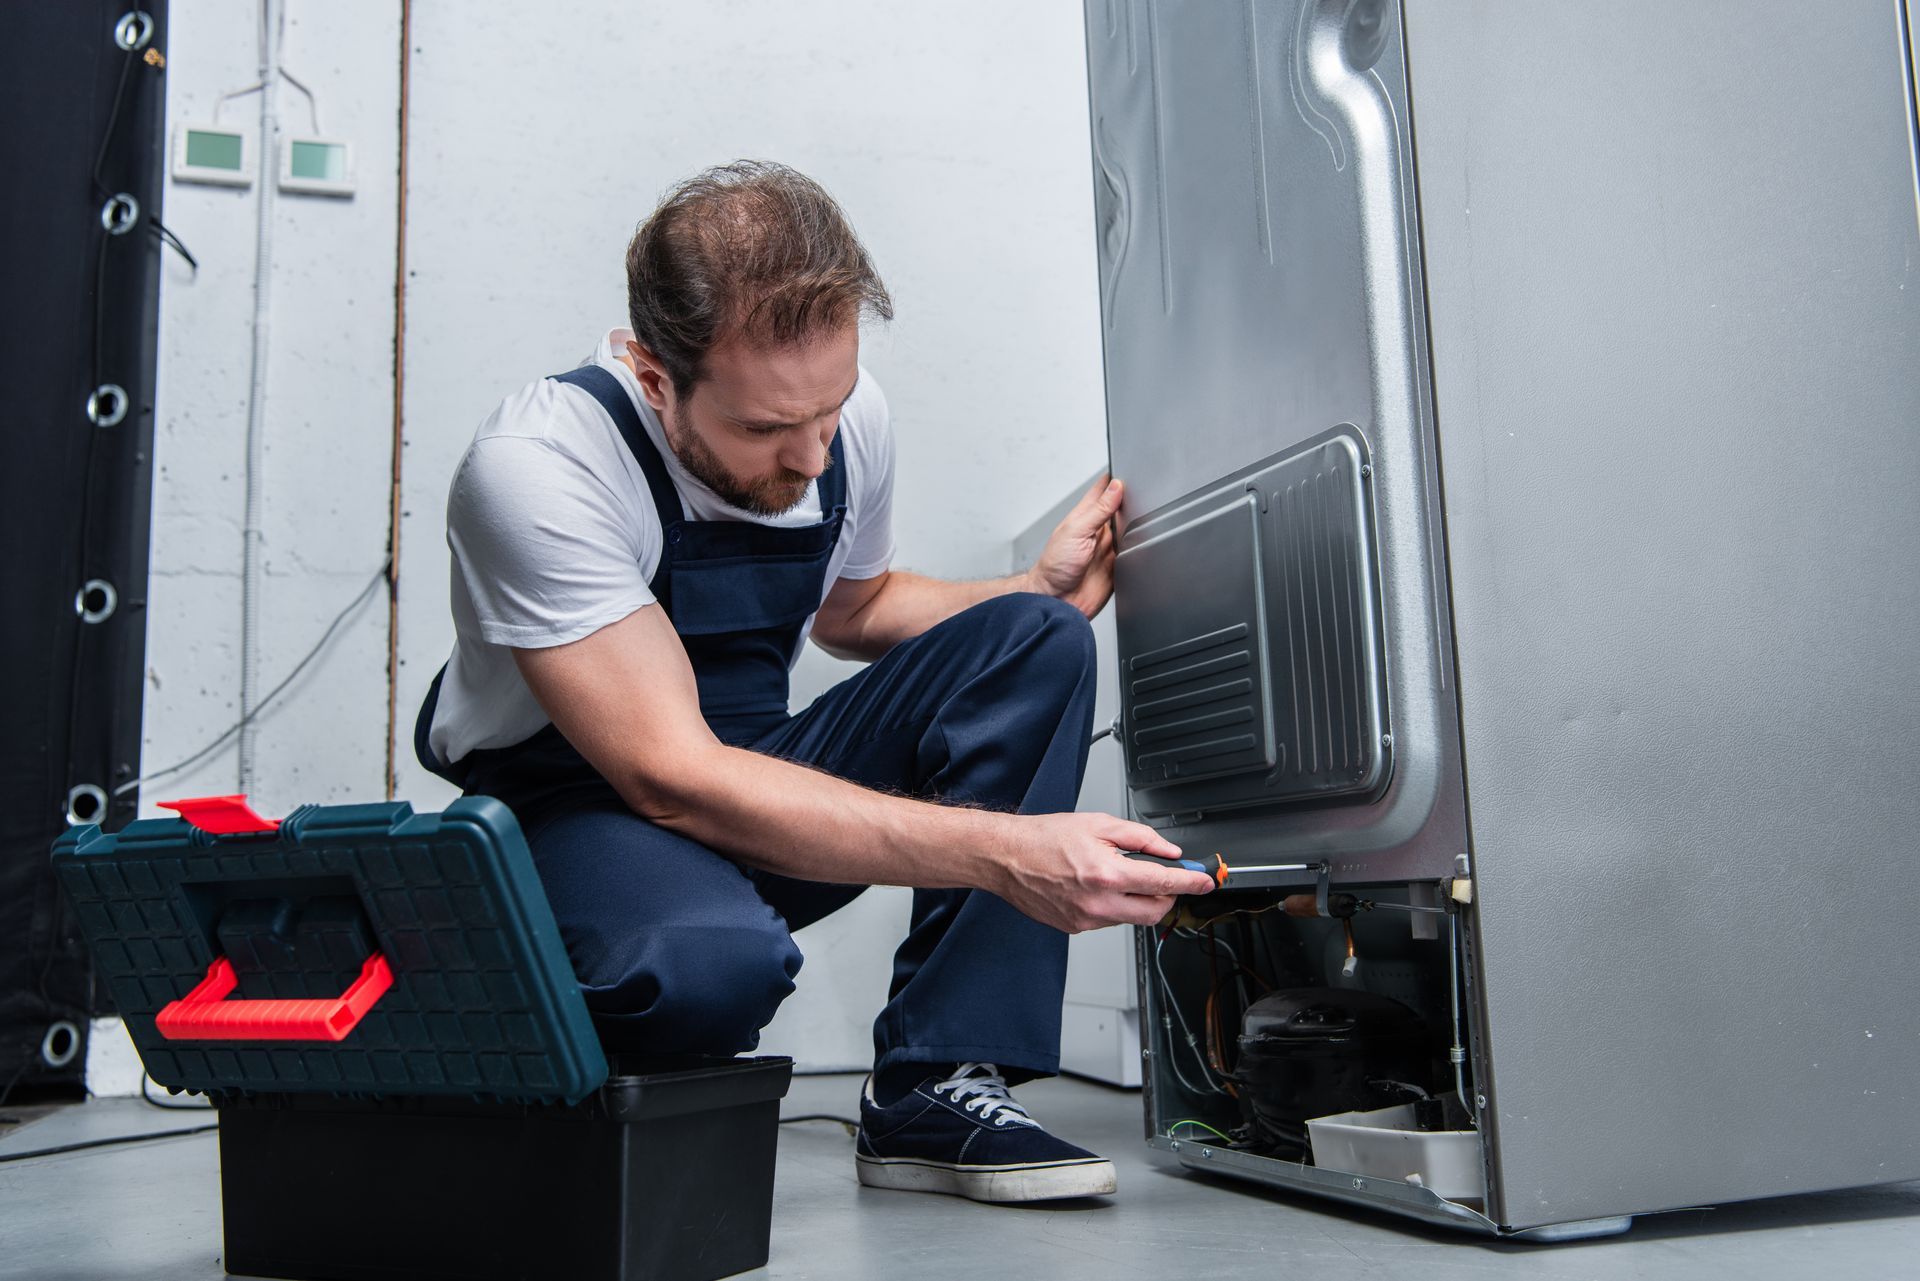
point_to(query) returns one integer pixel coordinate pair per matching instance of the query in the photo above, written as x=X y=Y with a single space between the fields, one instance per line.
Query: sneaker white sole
x=1048 y=1181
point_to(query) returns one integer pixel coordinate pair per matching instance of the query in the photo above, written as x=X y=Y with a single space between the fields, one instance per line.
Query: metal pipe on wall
x=271 y=14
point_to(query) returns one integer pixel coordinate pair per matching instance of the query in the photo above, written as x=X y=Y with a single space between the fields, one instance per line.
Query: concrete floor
x=152 y=1211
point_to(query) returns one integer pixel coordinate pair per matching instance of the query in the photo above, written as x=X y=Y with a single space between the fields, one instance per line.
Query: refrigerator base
x=1389 y=1195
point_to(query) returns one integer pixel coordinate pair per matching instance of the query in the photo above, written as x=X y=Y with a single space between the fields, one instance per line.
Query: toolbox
x=408 y=1082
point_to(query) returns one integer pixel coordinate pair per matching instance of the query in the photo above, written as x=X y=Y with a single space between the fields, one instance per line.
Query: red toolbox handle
x=205 y=1014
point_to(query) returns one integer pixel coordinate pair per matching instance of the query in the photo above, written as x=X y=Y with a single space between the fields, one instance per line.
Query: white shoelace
x=980 y=1087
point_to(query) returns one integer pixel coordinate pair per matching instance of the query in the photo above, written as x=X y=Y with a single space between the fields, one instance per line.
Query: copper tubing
x=399 y=387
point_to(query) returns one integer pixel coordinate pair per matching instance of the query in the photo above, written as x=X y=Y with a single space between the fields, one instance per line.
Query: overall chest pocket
x=716 y=587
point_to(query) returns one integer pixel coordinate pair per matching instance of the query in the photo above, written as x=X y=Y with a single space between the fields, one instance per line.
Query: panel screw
x=1359 y=1183
x=1174 y=1144
x=1366 y=470
x=1480 y=1100
x=1206 y=1152
x=1386 y=740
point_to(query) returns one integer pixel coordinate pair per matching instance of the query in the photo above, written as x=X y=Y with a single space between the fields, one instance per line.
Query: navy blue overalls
x=680 y=949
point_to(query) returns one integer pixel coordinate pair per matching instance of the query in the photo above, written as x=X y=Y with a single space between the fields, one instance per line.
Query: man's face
x=756 y=427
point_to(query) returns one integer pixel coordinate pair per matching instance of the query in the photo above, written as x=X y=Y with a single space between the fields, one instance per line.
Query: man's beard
x=774 y=495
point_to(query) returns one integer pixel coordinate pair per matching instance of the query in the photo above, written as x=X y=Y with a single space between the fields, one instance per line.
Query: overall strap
x=613 y=398
x=833 y=481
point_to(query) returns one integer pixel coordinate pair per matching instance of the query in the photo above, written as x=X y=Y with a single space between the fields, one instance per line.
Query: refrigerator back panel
x=1283 y=621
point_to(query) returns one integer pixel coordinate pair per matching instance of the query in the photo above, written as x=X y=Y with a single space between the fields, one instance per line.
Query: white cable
x=1457 y=1051
x=313 y=104
x=1212 y=941
x=272 y=14
x=266 y=699
x=1166 y=994
x=225 y=98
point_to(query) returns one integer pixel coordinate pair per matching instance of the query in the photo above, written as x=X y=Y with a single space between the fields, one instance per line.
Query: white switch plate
x=213 y=154
x=316 y=166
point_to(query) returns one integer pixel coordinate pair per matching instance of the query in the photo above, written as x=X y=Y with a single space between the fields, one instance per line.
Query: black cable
x=214 y=1125
x=107 y=1143
x=380 y=576
x=26 y=1062
x=174 y=242
x=86 y=502
x=113 y=122
x=147 y=1096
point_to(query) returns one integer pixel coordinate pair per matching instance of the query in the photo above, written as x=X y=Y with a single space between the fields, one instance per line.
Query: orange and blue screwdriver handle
x=1210 y=864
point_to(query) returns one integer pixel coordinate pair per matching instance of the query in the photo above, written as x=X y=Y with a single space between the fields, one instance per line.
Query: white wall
x=328 y=425
x=954 y=134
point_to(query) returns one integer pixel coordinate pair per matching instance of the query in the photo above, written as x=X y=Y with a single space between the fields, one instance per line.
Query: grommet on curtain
x=119 y=214
x=61 y=1045
x=133 y=30
x=86 y=803
x=95 y=601
x=107 y=405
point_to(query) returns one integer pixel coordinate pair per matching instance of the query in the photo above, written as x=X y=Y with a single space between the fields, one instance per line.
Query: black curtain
x=84 y=98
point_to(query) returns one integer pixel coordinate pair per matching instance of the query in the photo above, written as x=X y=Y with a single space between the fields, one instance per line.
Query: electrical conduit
x=251 y=572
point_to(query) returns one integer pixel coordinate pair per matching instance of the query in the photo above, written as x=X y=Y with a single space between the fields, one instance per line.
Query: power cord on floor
x=107 y=1143
x=151 y=1099
x=850 y=1125
x=847 y=1123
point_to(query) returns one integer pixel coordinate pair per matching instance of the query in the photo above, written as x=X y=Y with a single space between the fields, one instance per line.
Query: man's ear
x=655 y=385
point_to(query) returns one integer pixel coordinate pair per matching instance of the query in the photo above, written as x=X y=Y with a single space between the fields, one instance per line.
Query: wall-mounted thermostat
x=316 y=166
x=212 y=153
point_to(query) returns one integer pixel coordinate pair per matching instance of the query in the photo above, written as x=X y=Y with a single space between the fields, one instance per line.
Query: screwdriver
x=1216 y=867
x=1211 y=864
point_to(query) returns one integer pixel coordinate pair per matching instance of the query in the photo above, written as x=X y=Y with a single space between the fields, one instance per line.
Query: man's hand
x=1077 y=563
x=862 y=618
x=1065 y=870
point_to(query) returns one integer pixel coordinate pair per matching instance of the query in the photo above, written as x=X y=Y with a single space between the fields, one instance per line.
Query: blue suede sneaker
x=966 y=1136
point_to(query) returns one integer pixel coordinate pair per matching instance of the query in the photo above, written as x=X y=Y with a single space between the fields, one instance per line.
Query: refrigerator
x=1520 y=411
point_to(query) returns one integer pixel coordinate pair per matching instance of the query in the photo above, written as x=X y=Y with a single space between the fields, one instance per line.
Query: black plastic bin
x=664 y=1174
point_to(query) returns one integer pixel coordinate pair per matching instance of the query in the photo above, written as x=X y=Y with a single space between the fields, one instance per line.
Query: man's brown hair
x=753 y=250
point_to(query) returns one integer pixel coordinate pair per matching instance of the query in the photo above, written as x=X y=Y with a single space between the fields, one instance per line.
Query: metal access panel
x=1254 y=672
x=1673 y=265
x=1287 y=683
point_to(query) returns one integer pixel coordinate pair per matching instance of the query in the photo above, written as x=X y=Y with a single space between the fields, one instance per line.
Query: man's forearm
x=1059 y=869
x=908 y=604
x=781 y=817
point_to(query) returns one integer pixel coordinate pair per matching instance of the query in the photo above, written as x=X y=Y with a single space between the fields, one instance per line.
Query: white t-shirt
x=554 y=536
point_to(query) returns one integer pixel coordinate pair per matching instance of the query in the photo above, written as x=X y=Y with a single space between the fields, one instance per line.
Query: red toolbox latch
x=221 y=815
